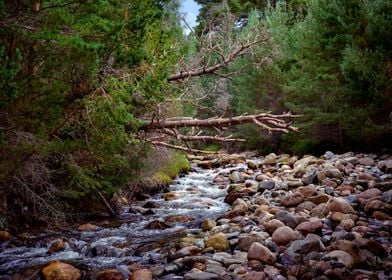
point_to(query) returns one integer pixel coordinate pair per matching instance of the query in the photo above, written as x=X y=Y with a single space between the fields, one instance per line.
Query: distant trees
x=327 y=61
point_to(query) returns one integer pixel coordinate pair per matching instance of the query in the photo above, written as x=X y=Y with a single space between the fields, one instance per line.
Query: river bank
x=237 y=217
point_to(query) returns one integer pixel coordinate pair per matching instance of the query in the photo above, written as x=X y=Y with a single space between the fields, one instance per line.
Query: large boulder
x=4 y=235
x=338 y=204
x=60 y=271
x=141 y=274
x=310 y=227
x=341 y=257
x=292 y=199
x=110 y=274
x=218 y=241
x=259 y=252
x=284 y=235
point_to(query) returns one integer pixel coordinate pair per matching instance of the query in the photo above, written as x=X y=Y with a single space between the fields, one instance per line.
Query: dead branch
x=269 y=122
x=181 y=148
x=205 y=70
x=189 y=138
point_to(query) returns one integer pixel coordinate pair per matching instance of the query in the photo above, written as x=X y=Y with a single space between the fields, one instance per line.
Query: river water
x=130 y=241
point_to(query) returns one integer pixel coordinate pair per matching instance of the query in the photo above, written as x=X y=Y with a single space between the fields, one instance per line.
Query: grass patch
x=177 y=163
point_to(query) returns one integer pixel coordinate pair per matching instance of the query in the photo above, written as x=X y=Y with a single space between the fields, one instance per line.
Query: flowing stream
x=130 y=241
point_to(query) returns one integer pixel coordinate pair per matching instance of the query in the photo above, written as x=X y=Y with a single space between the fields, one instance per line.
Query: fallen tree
x=157 y=131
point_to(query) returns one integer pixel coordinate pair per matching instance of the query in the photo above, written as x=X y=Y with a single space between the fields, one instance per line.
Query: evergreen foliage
x=74 y=77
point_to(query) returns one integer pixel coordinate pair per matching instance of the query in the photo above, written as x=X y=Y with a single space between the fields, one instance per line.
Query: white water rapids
x=130 y=242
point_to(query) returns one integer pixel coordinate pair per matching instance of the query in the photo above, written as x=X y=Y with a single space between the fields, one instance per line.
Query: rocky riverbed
x=285 y=217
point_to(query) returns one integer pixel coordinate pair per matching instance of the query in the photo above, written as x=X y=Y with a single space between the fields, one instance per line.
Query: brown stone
x=370 y=193
x=284 y=235
x=259 y=252
x=4 y=235
x=340 y=205
x=309 y=227
x=87 y=227
x=178 y=219
x=292 y=199
x=342 y=257
x=110 y=274
x=57 y=245
x=218 y=241
x=254 y=275
x=158 y=225
x=60 y=271
x=208 y=224
x=318 y=199
x=141 y=274
x=307 y=191
x=272 y=225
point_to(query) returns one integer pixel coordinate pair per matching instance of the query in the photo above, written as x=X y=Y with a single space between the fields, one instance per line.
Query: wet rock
x=347 y=224
x=379 y=215
x=387 y=196
x=292 y=199
x=305 y=162
x=284 y=235
x=219 y=179
x=246 y=240
x=341 y=257
x=300 y=248
x=156 y=224
x=184 y=252
x=370 y=193
x=332 y=172
x=87 y=227
x=376 y=205
x=287 y=218
x=254 y=275
x=4 y=236
x=318 y=199
x=208 y=224
x=57 y=245
x=240 y=205
x=272 y=225
x=236 y=177
x=269 y=160
x=141 y=274
x=201 y=276
x=366 y=161
x=178 y=219
x=310 y=177
x=218 y=241
x=259 y=252
x=307 y=191
x=157 y=270
x=252 y=165
x=214 y=267
x=375 y=247
x=231 y=197
x=60 y=271
x=310 y=227
x=306 y=205
x=151 y=204
x=110 y=274
x=266 y=185
x=348 y=247
x=293 y=183
x=172 y=196
x=340 y=205
x=320 y=211
x=206 y=164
